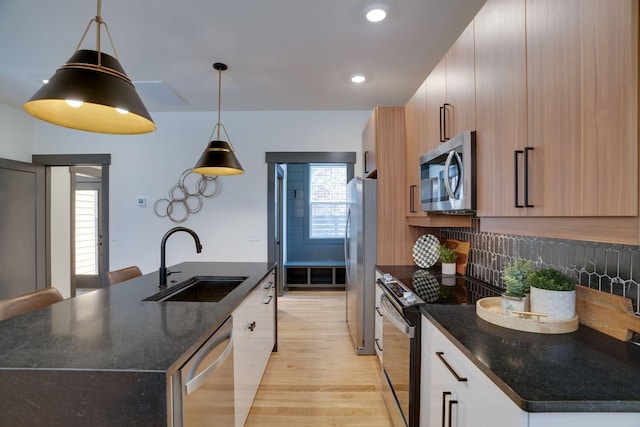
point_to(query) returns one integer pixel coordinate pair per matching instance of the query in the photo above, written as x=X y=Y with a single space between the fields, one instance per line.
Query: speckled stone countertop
x=78 y=356
x=583 y=371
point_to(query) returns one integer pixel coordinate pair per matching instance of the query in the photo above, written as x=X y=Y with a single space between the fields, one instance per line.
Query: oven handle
x=389 y=312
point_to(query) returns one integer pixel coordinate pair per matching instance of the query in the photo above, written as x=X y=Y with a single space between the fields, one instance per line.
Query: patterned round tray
x=426 y=251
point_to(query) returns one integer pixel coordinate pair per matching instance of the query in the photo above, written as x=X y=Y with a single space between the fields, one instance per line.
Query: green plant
x=515 y=275
x=447 y=256
x=552 y=280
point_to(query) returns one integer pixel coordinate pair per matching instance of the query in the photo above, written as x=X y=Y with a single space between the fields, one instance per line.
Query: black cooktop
x=434 y=288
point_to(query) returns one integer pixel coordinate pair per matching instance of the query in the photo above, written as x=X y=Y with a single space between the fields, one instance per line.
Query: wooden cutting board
x=607 y=313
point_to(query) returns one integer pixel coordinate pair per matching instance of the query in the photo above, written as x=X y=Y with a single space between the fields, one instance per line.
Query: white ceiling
x=282 y=54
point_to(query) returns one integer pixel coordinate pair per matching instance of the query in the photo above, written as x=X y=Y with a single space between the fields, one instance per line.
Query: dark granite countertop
x=583 y=371
x=113 y=329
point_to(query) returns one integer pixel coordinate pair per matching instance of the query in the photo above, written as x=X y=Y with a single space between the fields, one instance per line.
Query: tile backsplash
x=608 y=267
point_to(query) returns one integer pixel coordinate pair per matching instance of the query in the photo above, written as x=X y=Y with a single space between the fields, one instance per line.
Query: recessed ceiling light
x=376 y=12
x=358 y=78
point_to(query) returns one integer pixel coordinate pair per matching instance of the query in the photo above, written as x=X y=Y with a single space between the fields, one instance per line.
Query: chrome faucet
x=163 y=269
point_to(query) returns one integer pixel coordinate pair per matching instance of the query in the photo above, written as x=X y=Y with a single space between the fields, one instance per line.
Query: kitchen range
x=404 y=290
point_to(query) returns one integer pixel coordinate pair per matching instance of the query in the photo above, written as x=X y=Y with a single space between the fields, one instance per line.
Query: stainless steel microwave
x=448 y=176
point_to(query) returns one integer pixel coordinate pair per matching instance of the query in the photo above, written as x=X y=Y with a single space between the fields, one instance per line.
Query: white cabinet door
x=378 y=325
x=458 y=391
x=254 y=338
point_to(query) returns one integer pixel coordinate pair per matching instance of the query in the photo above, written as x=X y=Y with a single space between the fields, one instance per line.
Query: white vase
x=510 y=304
x=558 y=305
x=449 y=269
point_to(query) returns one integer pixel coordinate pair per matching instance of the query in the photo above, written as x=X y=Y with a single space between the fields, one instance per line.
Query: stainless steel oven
x=447 y=176
x=405 y=289
x=401 y=355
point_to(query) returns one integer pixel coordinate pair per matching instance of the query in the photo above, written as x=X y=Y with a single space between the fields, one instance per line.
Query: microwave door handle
x=447 y=183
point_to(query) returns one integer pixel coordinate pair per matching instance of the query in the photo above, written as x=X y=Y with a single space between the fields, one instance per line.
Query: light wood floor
x=316 y=378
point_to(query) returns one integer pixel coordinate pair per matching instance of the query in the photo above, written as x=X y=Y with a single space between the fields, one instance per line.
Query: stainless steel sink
x=200 y=289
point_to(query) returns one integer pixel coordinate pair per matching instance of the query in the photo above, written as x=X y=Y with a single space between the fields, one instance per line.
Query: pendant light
x=92 y=92
x=218 y=158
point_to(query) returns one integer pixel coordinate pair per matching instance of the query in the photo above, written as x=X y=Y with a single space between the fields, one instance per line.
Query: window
x=327 y=200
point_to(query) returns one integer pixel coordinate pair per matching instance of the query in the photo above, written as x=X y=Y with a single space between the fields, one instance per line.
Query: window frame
x=308 y=218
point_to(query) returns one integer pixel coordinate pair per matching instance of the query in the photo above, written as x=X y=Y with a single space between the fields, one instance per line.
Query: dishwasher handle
x=390 y=313
x=192 y=382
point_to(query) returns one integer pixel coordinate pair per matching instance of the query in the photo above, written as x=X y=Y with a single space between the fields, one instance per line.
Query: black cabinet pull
x=526 y=177
x=444 y=121
x=366 y=164
x=515 y=178
x=412 y=198
x=441 y=123
x=444 y=405
x=379 y=312
x=440 y=355
x=451 y=403
x=377 y=341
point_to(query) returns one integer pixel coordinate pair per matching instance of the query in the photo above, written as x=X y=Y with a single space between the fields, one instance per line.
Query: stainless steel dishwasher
x=202 y=390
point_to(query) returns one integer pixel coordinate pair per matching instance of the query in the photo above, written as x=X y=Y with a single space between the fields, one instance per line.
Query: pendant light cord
x=219 y=125
x=99 y=21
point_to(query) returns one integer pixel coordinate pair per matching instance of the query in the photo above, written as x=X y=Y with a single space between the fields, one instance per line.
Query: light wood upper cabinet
x=451 y=93
x=436 y=97
x=415 y=119
x=582 y=85
x=557 y=81
x=501 y=105
x=461 y=113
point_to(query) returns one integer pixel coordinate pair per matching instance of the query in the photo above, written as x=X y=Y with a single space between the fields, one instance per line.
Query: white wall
x=149 y=165
x=16 y=134
x=60 y=233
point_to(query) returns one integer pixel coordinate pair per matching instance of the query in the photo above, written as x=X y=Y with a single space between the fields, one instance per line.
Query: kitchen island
x=580 y=378
x=105 y=357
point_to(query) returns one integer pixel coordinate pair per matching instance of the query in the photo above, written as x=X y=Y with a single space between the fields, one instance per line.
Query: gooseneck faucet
x=163 y=269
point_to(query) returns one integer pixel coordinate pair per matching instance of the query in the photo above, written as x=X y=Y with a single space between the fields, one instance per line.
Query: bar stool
x=14 y=306
x=117 y=276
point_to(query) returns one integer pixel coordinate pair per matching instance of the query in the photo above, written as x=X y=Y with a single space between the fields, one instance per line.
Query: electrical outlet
x=254 y=236
x=142 y=201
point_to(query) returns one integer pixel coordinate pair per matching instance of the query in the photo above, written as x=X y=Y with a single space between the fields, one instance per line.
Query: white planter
x=510 y=304
x=558 y=305
x=449 y=268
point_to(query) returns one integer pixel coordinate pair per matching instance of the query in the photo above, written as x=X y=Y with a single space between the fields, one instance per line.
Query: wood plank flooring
x=316 y=379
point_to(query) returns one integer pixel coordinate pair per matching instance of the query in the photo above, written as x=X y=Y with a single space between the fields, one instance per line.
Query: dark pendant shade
x=102 y=86
x=218 y=159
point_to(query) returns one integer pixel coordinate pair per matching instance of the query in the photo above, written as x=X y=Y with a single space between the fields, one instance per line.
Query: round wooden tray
x=490 y=309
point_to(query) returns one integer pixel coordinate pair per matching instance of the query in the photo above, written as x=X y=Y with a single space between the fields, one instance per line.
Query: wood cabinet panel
x=415 y=119
x=582 y=107
x=460 y=84
x=436 y=96
x=395 y=237
x=501 y=104
x=369 y=146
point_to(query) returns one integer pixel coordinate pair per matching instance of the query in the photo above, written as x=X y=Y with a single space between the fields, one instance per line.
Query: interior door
x=86 y=227
x=22 y=227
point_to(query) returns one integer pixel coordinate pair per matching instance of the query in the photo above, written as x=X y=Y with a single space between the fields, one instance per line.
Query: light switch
x=142 y=201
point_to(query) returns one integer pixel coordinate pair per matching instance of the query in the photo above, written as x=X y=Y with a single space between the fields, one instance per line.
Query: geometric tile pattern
x=607 y=267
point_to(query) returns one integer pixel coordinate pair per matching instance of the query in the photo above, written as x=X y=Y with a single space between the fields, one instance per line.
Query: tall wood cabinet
x=385 y=131
x=557 y=85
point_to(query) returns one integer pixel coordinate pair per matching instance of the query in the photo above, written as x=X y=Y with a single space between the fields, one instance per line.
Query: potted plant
x=553 y=293
x=448 y=260
x=515 y=276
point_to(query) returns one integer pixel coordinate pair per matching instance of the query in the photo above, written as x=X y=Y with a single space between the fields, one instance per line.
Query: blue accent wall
x=299 y=246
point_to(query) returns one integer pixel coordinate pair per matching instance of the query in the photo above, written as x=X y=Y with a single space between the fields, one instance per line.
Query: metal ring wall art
x=183 y=202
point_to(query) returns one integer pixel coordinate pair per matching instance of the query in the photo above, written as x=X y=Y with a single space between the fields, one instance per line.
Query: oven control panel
x=402 y=294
